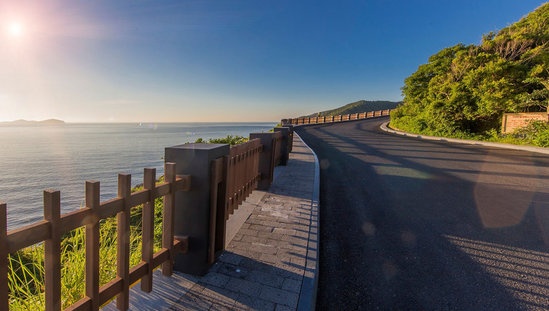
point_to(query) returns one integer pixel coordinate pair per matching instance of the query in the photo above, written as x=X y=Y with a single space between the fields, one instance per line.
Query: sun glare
x=15 y=29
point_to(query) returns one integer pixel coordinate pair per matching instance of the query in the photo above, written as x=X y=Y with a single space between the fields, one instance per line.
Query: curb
x=541 y=150
x=309 y=286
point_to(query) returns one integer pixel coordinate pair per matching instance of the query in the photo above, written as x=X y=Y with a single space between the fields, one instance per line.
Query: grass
x=26 y=267
x=536 y=133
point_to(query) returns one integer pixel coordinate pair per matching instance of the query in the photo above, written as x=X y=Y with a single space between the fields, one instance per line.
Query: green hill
x=359 y=106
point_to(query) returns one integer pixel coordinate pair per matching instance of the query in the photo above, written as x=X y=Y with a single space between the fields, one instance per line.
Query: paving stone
x=220 y=297
x=263 y=248
x=247 y=302
x=284 y=231
x=263 y=267
x=279 y=296
x=292 y=285
x=234 y=271
x=283 y=308
x=244 y=286
x=231 y=258
x=265 y=278
x=215 y=279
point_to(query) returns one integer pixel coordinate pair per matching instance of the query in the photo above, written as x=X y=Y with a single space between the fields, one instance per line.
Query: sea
x=63 y=157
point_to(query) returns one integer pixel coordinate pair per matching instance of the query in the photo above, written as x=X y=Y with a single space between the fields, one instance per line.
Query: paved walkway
x=270 y=264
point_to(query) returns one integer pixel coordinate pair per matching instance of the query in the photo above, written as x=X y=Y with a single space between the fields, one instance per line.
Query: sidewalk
x=272 y=261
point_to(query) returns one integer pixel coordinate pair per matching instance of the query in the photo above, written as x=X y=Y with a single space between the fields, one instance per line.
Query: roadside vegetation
x=229 y=139
x=464 y=90
x=26 y=267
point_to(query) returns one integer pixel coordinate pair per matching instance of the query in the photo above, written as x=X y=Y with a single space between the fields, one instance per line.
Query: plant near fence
x=83 y=259
x=26 y=267
x=44 y=262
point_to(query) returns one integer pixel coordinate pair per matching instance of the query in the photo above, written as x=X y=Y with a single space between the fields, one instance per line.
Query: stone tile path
x=270 y=264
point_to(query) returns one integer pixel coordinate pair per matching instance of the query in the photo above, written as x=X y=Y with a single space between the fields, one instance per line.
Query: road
x=410 y=224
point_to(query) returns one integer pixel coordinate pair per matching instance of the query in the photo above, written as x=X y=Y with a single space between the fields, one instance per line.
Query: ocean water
x=35 y=158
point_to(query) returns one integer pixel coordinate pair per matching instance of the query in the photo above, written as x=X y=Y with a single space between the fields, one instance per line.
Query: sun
x=15 y=29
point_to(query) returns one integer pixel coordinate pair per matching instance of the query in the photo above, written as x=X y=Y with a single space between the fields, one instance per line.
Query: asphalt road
x=407 y=224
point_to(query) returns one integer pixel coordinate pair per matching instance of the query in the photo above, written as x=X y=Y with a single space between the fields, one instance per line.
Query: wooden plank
x=160 y=257
x=29 y=235
x=4 y=296
x=52 y=250
x=123 y=238
x=164 y=188
x=76 y=219
x=168 y=215
x=215 y=177
x=92 y=246
x=149 y=180
x=138 y=271
x=110 y=208
x=140 y=197
x=83 y=304
x=230 y=184
x=111 y=289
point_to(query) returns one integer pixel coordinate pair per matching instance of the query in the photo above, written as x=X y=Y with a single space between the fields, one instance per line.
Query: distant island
x=34 y=123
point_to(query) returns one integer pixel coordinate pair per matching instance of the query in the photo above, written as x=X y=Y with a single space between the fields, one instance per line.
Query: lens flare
x=15 y=29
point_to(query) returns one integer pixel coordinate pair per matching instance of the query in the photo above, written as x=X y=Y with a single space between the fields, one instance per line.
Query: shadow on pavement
x=409 y=224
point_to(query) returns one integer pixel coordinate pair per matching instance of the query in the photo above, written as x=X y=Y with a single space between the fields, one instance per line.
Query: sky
x=223 y=60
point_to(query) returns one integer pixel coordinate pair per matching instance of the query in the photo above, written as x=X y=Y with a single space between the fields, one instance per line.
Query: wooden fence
x=338 y=118
x=242 y=173
x=51 y=230
x=233 y=178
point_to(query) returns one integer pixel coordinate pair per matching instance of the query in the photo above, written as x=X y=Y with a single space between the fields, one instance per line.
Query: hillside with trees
x=358 y=106
x=463 y=90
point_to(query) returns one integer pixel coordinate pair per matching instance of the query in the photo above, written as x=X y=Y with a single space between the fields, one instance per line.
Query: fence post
x=168 y=218
x=92 y=246
x=290 y=137
x=192 y=208
x=266 y=158
x=4 y=298
x=52 y=250
x=285 y=149
x=147 y=223
x=123 y=237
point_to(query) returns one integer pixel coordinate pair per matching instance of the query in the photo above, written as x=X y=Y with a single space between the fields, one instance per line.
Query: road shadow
x=410 y=224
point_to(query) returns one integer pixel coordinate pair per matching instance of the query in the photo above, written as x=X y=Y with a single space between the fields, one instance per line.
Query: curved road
x=407 y=224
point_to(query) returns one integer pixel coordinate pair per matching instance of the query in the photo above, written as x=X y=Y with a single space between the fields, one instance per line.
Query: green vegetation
x=229 y=139
x=536 y=133
x=26 y=267
x=463 y=91
x=359 y=106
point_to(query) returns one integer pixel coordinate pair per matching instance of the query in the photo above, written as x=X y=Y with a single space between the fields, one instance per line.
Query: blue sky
x=245 y=60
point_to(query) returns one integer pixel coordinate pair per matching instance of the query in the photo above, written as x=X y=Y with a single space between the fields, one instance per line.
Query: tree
x=465 y=90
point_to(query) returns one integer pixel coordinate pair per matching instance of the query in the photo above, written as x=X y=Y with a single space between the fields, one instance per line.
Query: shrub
x=229 y=139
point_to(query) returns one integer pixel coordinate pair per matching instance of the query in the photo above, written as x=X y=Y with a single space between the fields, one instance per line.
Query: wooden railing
x=233 y=178
x=54 y=226
x=277 y=148
x=242 y=173
x=338 y=118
